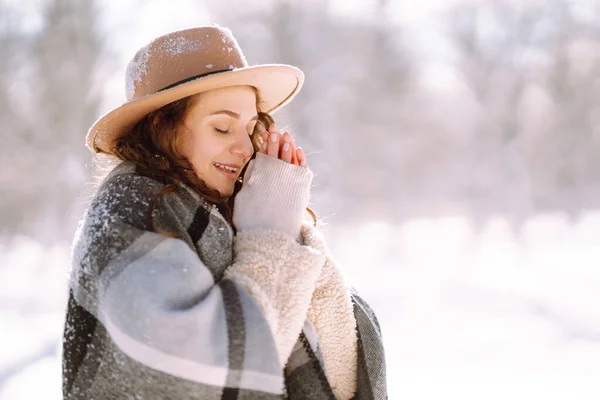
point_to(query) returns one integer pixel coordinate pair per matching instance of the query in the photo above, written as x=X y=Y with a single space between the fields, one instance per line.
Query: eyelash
x=227 y=131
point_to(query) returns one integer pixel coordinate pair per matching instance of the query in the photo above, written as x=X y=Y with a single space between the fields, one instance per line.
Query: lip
x=230 y=175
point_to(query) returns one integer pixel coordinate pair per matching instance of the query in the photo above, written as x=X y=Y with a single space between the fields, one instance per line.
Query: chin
x=225 y=189
x=226 y=193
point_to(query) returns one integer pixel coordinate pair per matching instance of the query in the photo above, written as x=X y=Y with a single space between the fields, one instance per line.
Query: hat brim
x=277 y=85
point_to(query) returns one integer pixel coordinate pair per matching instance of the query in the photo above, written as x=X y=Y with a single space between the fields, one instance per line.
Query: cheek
x=203 y=150
x=197 y=155
x=213 y=146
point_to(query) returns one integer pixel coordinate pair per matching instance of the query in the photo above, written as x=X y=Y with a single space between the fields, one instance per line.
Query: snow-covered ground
x=491 y=314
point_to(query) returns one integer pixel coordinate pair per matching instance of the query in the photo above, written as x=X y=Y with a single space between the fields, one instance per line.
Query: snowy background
x=494 y=315
x=456 y=147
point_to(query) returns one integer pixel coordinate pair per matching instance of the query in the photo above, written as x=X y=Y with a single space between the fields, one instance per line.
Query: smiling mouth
x=230 y=172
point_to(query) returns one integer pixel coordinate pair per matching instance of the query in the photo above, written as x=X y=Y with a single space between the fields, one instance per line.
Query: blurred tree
x=491 y=40
x=533 y=71
x=376 y=153
x=15 y=42
x=568 y=164
x=44 y=174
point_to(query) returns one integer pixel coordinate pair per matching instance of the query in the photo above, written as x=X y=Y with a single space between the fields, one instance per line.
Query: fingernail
x=274 y=137
x=286 y=147
x=303 y=163
x=264 y=146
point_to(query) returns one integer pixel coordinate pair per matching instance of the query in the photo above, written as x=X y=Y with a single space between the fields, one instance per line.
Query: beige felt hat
x=181 y=64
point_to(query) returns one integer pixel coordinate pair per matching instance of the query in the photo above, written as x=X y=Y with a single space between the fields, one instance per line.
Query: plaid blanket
x=153 y=317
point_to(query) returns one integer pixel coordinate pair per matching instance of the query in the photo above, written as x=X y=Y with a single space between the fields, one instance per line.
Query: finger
x=286 y=152
x=273 y=145
x=294 y=156
x=286 y=137
x=272 y=129
x=291 y=150
x=265 y=139
x=301 y=157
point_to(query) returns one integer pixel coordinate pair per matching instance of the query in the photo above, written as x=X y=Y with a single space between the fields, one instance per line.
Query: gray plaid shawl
x=151 y=317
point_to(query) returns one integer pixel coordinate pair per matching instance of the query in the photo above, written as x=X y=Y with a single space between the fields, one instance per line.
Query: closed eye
x=220 y=131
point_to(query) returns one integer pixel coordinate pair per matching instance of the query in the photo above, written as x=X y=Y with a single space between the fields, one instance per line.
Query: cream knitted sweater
x=273 y=200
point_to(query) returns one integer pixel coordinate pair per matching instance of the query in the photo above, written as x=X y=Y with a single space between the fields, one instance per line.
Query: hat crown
x=180 y=56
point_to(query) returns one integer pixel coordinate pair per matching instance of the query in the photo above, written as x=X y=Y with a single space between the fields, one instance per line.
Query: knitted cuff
x=277 y=181
x=274 y=196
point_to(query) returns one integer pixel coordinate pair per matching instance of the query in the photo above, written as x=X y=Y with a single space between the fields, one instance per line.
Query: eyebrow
x=232 y=114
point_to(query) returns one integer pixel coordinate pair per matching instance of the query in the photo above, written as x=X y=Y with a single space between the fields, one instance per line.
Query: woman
x=187 y=283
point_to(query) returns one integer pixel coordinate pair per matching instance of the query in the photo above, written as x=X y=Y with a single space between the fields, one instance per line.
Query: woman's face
x=217 y=135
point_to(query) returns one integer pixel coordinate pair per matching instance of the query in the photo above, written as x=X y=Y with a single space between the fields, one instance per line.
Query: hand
x=282 y=146
x=274 y=196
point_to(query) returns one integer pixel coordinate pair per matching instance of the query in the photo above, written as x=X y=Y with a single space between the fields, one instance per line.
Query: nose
x=243 y=146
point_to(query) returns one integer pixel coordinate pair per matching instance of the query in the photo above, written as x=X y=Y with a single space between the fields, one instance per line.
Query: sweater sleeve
x=274 y=196
x=279 y=273
x=270 y=207
x=161 y=306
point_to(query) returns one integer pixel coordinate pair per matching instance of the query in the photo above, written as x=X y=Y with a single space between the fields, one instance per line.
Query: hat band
x=194 y=77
